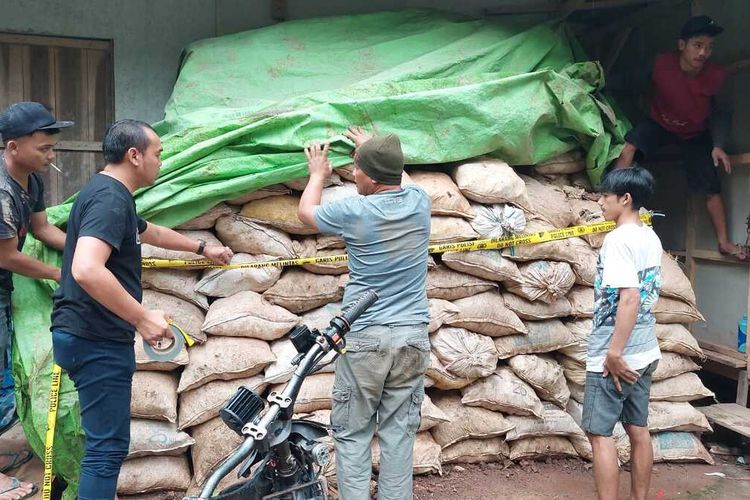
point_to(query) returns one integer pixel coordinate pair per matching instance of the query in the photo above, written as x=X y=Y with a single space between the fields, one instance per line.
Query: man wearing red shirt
x=684 y=110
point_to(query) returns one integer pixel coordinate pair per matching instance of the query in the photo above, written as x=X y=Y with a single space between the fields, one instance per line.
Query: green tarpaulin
x=245 y=105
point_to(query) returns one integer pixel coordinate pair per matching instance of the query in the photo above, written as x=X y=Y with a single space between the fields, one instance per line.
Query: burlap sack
x=497 y=221
x=227 y=282
x=300 y=291
x=679 y=447
x=203 y=403
x=588 y=212
x=248 y=314
x=574 y=370
x=188 y=316
x=566 y=163
x=309 y=248
x=431 y=415
x=677 y=338
x=214 y=441
x=266 y=192
x=336 y=193
x=503 y=391
x=536 y=311
x=445 y=195
x=675 y=311
x=541 y=448
x=488 y=181
x=542 y=336
x=576 y=391
x=152 y=252
x=281 y=370
x=301 y=183
x=328 y=242
x=243 y=235
x=548 y=202
x=543 y=280
x=442 y=283
x=151 y=437
x=225 y=358
x=445 y=229
x=584 y=262
x=148 y=474
x=671 y=365
x=476 y=451
x=315 y=393
x=551 y=250
x=320 y=318
x=580 y=329
x=582 y=445
x=581 y=301
x=464 y=353
x=466 y=422
x=208 y=219
x=175 y=282
x=143 y=362
x=678 y=417
x=685 y=387
x=154 y=396
x=674 y=283
x=442 y=378
x=346 y=172
x=554 y=422
x=487 y=314
x=544 y=375
x=486 y=264
x=440 y=312
x=426 y=458
x=279 y=212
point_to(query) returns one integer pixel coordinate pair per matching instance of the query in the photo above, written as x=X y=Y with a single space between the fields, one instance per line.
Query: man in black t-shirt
x=29 y=133
x=97 y=309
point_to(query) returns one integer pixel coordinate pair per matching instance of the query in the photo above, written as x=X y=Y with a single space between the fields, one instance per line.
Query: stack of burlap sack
x=508 y=329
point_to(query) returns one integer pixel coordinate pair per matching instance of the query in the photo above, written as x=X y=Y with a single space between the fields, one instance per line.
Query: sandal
x=18 y=459
x=16 y=484
x=740 y=253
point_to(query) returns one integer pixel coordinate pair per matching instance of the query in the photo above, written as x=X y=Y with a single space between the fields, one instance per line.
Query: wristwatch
x=201 y=247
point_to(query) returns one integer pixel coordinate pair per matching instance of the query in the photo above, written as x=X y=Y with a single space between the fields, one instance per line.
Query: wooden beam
x=722 y=349
x=55 y=41
x=542 y=7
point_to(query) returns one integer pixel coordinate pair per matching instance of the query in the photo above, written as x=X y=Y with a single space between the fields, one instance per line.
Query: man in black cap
x=29 y=133
x=380 y=381
x=684 y=111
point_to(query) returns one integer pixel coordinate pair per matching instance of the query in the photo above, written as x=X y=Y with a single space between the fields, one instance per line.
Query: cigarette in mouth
x=55 y=167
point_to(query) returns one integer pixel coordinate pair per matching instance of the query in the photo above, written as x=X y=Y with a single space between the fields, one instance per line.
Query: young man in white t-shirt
x=623 y=351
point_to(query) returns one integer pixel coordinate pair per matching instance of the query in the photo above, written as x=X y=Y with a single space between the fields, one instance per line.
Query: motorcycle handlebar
x=355 y=309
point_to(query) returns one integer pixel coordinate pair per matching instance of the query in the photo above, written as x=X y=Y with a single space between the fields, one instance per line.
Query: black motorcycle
x=283 y=458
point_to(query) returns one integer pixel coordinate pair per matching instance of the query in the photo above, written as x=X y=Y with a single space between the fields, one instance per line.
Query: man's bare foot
x=734 y=250
x=22 y=489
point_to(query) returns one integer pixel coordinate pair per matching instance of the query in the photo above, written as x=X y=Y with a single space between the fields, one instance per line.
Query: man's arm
x=20 y=263
x=90 y=272
x=320 y=169
x=627 y=314
x=47 y=233
x=160 y=236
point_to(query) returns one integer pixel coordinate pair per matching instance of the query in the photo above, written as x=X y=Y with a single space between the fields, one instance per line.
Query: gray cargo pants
x=380 y=380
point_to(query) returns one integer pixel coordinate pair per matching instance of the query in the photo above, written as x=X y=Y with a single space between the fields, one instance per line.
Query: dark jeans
x=103 y=375
x=7 y=397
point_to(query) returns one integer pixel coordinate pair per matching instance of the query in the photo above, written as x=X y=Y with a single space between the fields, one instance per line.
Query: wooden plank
x=742 y=387
x=55 y=41
x=730 y=415
x=714 y=256
x=722 y=349
x=723 y=359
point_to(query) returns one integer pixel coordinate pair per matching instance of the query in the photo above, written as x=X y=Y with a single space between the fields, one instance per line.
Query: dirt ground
x=573 y=479
x=558 y=479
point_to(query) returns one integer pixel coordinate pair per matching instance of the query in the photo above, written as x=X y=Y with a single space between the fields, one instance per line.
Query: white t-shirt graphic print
x=629 y=258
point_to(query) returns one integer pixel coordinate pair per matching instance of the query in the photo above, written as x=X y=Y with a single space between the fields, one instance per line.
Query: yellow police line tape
x=463 y=246
x=487 y=244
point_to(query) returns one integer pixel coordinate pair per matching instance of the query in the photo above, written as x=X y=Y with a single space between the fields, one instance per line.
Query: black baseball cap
x=24 y=118
x=700 y=25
